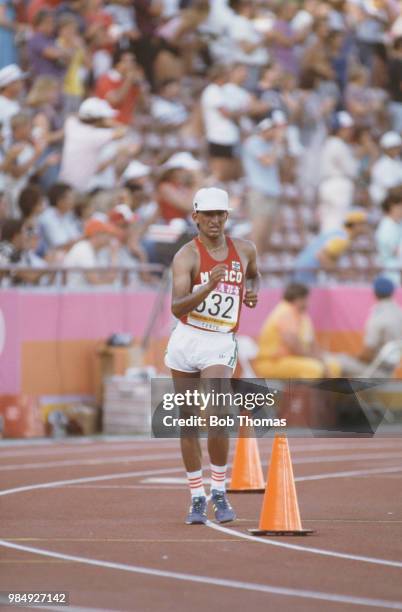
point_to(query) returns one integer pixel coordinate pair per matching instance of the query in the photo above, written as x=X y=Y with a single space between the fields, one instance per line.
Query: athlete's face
x=211 y=223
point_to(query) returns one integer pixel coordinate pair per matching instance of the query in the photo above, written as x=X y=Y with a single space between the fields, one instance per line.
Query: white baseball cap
x=135 y=170
x=211 y=198
x=96 y=108
x=184 y=160
x=122 y=213
x=344 y=119
x=265 y=124
x=389 y=140
x=10 y=74
x=279 y=118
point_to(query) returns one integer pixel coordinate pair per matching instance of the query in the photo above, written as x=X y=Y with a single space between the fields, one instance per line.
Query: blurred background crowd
x=114 y=112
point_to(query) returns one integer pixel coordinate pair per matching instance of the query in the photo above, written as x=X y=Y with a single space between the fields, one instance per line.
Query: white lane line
x=138 y=458
x=171 y=480
x=63 y=483
x=4 y=601
x=153 y=472
x=91 y=447
x=210 y=580
x=101 y=461
x=342 y=458
x=316 y=551
x=350 y=473
x=321 y=551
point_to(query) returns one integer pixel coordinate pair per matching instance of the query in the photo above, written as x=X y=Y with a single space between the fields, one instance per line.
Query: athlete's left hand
x=250 y=299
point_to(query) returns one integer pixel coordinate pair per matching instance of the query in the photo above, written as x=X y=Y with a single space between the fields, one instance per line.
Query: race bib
x=219 y=311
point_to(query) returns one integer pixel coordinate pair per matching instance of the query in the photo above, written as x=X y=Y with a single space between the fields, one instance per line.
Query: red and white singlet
x=220 y=311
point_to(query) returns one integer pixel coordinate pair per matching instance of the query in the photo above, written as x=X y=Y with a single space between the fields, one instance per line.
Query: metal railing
x=58 y=275
x=125 y=276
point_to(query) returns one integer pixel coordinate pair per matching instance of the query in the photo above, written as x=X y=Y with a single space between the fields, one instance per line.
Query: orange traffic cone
x=247 y=475
x=280 y=511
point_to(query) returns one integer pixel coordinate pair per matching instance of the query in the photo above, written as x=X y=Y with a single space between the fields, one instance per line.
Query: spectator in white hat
x=339 y=170
x=85 y=136
x=137 y=194
x=135 y=171
x=261 y=157
x=387 y=170
x=11 y=86
x=137 y=183
x=183 y=160
x=177 y=184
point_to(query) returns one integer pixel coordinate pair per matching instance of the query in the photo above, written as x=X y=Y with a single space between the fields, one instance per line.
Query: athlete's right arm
x=183 y=300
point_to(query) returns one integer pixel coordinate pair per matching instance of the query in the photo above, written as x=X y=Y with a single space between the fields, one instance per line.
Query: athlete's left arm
x=250 y=298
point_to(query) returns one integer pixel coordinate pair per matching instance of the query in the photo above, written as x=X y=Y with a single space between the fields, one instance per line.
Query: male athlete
x=212 y=276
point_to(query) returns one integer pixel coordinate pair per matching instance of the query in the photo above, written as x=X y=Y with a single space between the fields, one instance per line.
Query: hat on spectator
x=383 y=287
x=265 y=124
x=96 y=108
x=357 y=215
x=389 y=140
x=135 y=170
x=183 y=160
x=122 y=214
x=279 y=117
x=10 y=74
x=211 y=198
x=342 y=119
x=96 y=226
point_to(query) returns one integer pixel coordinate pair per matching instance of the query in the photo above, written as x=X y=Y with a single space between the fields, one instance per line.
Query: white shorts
x=192 y=350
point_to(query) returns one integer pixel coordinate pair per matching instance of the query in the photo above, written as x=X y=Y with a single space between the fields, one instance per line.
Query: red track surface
x=126 y=518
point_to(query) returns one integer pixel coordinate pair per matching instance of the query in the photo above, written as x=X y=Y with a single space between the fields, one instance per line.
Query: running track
x=104 y=521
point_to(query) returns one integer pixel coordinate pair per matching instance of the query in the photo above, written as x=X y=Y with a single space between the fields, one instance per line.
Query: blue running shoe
x=198 y=511
x=224 y=512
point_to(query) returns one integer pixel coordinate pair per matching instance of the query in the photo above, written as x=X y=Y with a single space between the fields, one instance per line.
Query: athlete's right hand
x=217 y=275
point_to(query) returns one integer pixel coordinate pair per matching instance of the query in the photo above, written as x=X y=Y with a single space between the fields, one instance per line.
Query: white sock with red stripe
x=218 y=477
x=196 y=484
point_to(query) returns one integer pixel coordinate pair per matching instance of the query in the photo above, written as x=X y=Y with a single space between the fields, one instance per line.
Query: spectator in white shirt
x=220 y=123
x=136 y=181
x=85 y=136
x=225 y=104
x=57 y=224
x=386 y=173
x=22 y=159
x=98 y=236
x=261 y=158
x=11 y=86
x=166 y=107
x=249 y=45
x=339 y=170
x=388 y=237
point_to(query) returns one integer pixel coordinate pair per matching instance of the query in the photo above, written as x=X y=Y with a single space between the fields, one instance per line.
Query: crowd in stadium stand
x=114 y=112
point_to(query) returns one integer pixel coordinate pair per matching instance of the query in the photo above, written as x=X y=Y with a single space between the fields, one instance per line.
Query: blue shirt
x=262 y=178
x=307 y=263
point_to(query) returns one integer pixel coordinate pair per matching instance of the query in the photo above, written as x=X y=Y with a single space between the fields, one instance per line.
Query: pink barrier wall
x=28 y=317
